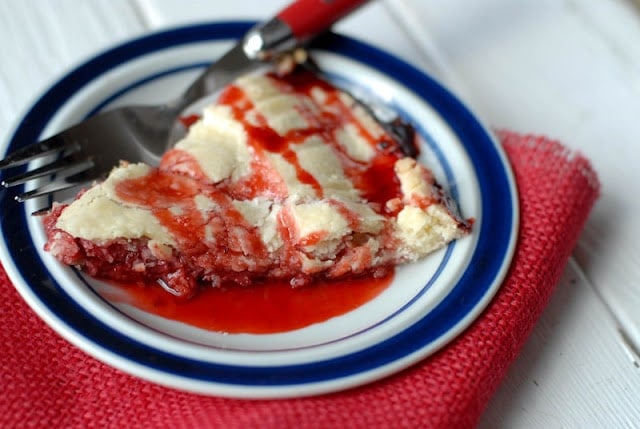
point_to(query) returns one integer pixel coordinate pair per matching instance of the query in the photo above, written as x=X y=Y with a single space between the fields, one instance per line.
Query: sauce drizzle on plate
x=262 y=308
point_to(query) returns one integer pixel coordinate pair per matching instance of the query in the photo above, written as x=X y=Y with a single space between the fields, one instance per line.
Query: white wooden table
x=568 y=69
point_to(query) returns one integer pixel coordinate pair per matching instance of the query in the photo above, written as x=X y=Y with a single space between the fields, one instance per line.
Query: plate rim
x=228 y=30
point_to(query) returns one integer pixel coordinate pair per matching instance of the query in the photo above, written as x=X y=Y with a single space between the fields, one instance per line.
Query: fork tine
x=50 y=188
x=69 y=178
x=62 y=164
x=30 y=152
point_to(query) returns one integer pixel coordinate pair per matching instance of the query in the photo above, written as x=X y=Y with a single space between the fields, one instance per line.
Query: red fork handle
x=295 y=26
x=308 y=18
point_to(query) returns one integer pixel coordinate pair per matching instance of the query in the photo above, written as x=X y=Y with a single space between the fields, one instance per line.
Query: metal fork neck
x=267 y=41
x=262 y=44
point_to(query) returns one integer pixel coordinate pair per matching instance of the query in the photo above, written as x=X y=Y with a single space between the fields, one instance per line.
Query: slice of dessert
x=285 y=177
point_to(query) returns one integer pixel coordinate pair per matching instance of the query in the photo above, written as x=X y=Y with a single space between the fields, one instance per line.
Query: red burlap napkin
x=47 y=383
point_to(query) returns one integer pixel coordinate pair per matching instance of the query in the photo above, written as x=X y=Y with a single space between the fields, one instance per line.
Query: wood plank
x=538 y=56
x=42 y=40
x=567 y=70
x=557 y=381
x=575 y=371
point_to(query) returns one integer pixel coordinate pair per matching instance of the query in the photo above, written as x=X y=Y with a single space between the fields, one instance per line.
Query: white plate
x=427 y=305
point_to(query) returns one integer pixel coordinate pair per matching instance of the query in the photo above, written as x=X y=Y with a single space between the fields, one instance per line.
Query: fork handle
x=308 y=18
x=295 y=25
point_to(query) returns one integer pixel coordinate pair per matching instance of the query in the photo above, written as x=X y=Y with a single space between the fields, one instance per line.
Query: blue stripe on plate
x=478 y=282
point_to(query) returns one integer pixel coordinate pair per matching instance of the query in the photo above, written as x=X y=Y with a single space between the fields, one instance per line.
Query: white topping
x=289 y=174
x=254 y=211
x=318 y=158
x=369 y=221
x=320 y=223
x=355 y=145
x=319 y=95
x=125 y=172
x=423 y=231
x=282 y=110
x=209 y=235
x=98 y=215
x=263 y=215
x=318 y=217
x=219 y=143
x=413 y=178
x=159 y=250
x=257 y=86
x=314 y=265
x=205 y=204
x=282 y=113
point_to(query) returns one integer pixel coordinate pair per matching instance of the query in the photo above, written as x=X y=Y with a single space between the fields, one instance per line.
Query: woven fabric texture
x=47 y=383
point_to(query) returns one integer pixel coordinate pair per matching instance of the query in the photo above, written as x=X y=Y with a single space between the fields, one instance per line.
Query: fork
x=87 y=151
